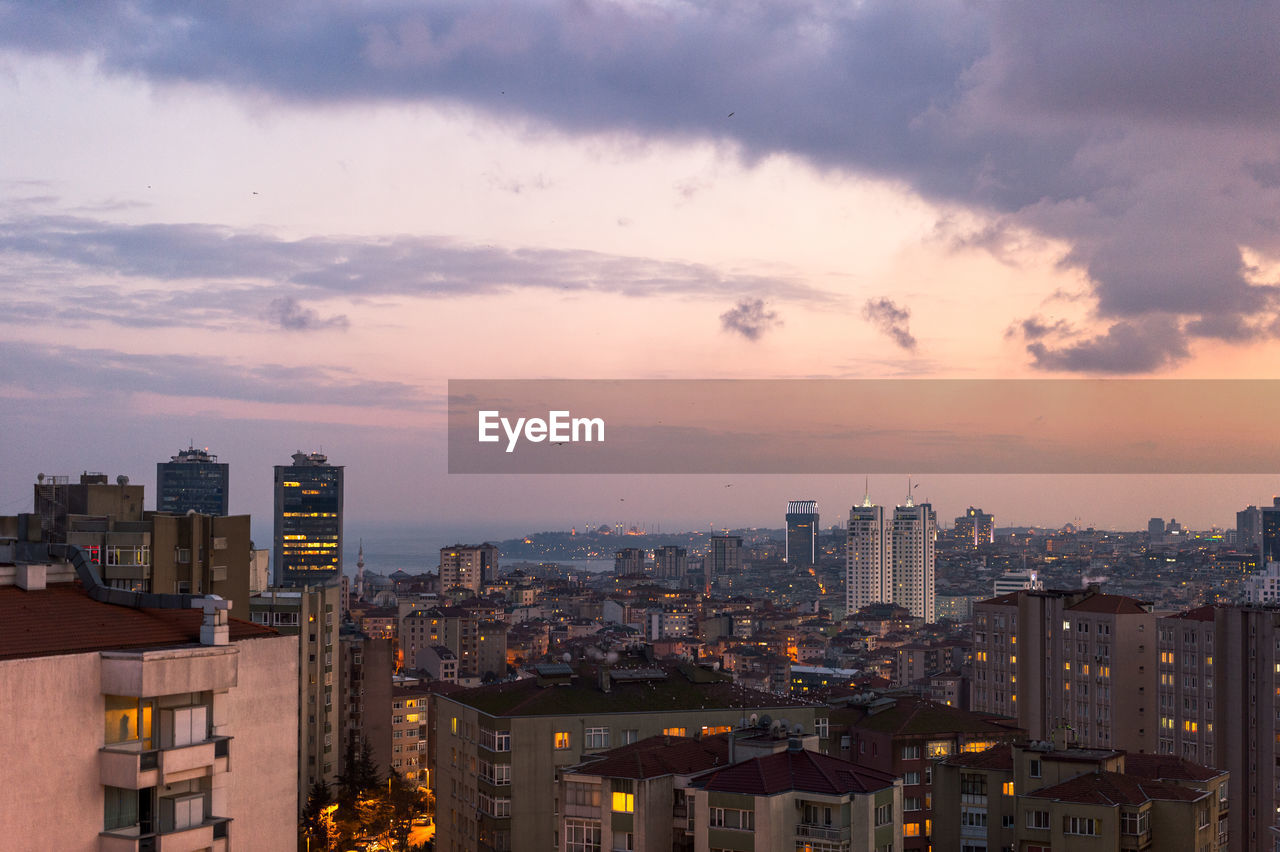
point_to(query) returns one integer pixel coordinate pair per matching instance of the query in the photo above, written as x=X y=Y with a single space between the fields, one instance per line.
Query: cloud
x=1145 y=145
x=891 y=320
x=1125 y=347
x=228 y=267
x=61 y=370
x=749 y=318
x=287 y=313
x=1035 y=328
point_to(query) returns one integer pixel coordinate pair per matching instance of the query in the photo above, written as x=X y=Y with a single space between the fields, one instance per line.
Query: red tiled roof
x=654 y=757
x=1010 y=599
x=996 y=757
x=1203 y=613
x=1112 y=788
x=1112 y=604
x=62 y=619
x=803 y=770
x=1167 y=767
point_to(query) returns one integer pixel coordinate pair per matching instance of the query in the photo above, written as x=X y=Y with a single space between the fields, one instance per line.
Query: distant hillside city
x=884 y=682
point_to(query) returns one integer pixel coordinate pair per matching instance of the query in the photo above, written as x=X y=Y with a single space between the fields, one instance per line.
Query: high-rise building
x=724 y=556
x=911 y=558
x=670 y=562
x=1075 y=664
x=628 y=560
x=975 y=527
x=1155 y=531
x=468 y=566
x=193 y=480
x=1269 y=534
x=802 y=532
x=308 y=521
x=866 y=581
x=311 y=613
x=1248 y=528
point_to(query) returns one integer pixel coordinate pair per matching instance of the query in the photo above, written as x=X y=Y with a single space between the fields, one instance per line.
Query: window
x=884 y=814
x=911 y=803
x=939 y=748
x=561 y=739
x=1007 y=788
x=1038 y=820
x=910 y=778
x=1079 y=825
x=820 y=727
x=129 y=720
x=630 y=735
x=1006 y=820
x=597 y=738
x=624 y=798
x=973 y=818
x=577 y=793
x=674 y=732
x=582 y=835
x=973 y=784
x=1134 y=823
x=911 y=752
x=911 y=829
x=731 y=818
x=1034 y=768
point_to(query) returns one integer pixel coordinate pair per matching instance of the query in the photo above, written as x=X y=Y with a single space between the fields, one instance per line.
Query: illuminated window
x=674 y=732
x=562 y=739
x=624 y=799
x=1007 y=788
x=911 y=829
x=453 y=727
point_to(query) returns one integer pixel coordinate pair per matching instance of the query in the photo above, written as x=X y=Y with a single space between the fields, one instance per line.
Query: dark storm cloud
x=59 y=250
x=1142 y=137
x=1126 y=347
x=891 y=320
x=62 y=370
x=749 y=318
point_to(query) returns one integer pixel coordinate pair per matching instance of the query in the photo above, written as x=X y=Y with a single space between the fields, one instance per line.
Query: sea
x=414 y=551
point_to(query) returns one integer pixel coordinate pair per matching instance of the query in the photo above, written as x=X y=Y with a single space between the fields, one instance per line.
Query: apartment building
x=498 y=748
x=138 y=722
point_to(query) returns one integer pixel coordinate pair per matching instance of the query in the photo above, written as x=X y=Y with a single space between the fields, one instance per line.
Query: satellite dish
x=755 y=717
x=39 y=477
x=567 y=656
x=798 y=730
x=122 y=480
x=765 y=721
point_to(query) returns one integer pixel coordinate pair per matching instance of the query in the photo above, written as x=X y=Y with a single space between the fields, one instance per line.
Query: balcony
x=210 y=834
x=829 y=833
x=126 y=765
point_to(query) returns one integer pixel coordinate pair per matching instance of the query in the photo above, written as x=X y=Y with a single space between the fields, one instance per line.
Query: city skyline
x=204 y=240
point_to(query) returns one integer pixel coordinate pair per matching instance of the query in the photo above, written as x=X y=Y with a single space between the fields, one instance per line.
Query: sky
x=265 y=228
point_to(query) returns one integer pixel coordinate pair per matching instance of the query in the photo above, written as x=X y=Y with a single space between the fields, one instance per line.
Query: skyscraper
x=912 y=538
x=802 y=532
x=724 y=556
x=865 y=579
x=670 y=562
x=1269 y=534
x=192 y=480
x=975 y=527
x=1248 y=528
x=308 y=521
x=468 y=566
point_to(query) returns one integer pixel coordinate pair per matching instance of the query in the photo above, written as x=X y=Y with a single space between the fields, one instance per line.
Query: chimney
x=214 y=629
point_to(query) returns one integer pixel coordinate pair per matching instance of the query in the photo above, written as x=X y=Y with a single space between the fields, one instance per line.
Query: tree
x=407 y=802
x=317 y=825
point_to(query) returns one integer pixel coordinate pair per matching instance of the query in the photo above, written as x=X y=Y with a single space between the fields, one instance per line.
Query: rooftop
x=912 y=715
x=62 y=619
x=1113 y=788
x=584 y=695
x=655 y=757
x=1111 y=604
x=800 y=770
x=1167 y=767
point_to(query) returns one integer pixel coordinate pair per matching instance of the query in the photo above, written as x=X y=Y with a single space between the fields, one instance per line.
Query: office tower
x=910 y=555
x=468 y=566
x=866 y=581
x=159 y=727
x=308 y=521
x=670 y=562
x=1155 y=530
x=1248 y=528
x=1013 y=581
x=1269 y=534
x=724 y=556
x=802 y=532
x=193 y=480
x=975 y=527
x=628 y=560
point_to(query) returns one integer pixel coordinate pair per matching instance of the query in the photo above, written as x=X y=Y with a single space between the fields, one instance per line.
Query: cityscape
x=639 y=426
x=879 y=679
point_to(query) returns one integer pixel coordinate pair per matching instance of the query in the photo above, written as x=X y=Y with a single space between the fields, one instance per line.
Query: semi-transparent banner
x=864 y=426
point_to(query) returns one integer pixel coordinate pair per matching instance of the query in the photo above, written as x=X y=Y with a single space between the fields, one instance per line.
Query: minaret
x=360 y=572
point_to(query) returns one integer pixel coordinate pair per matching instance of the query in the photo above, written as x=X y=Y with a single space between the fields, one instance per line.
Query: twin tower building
x=890 y=559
